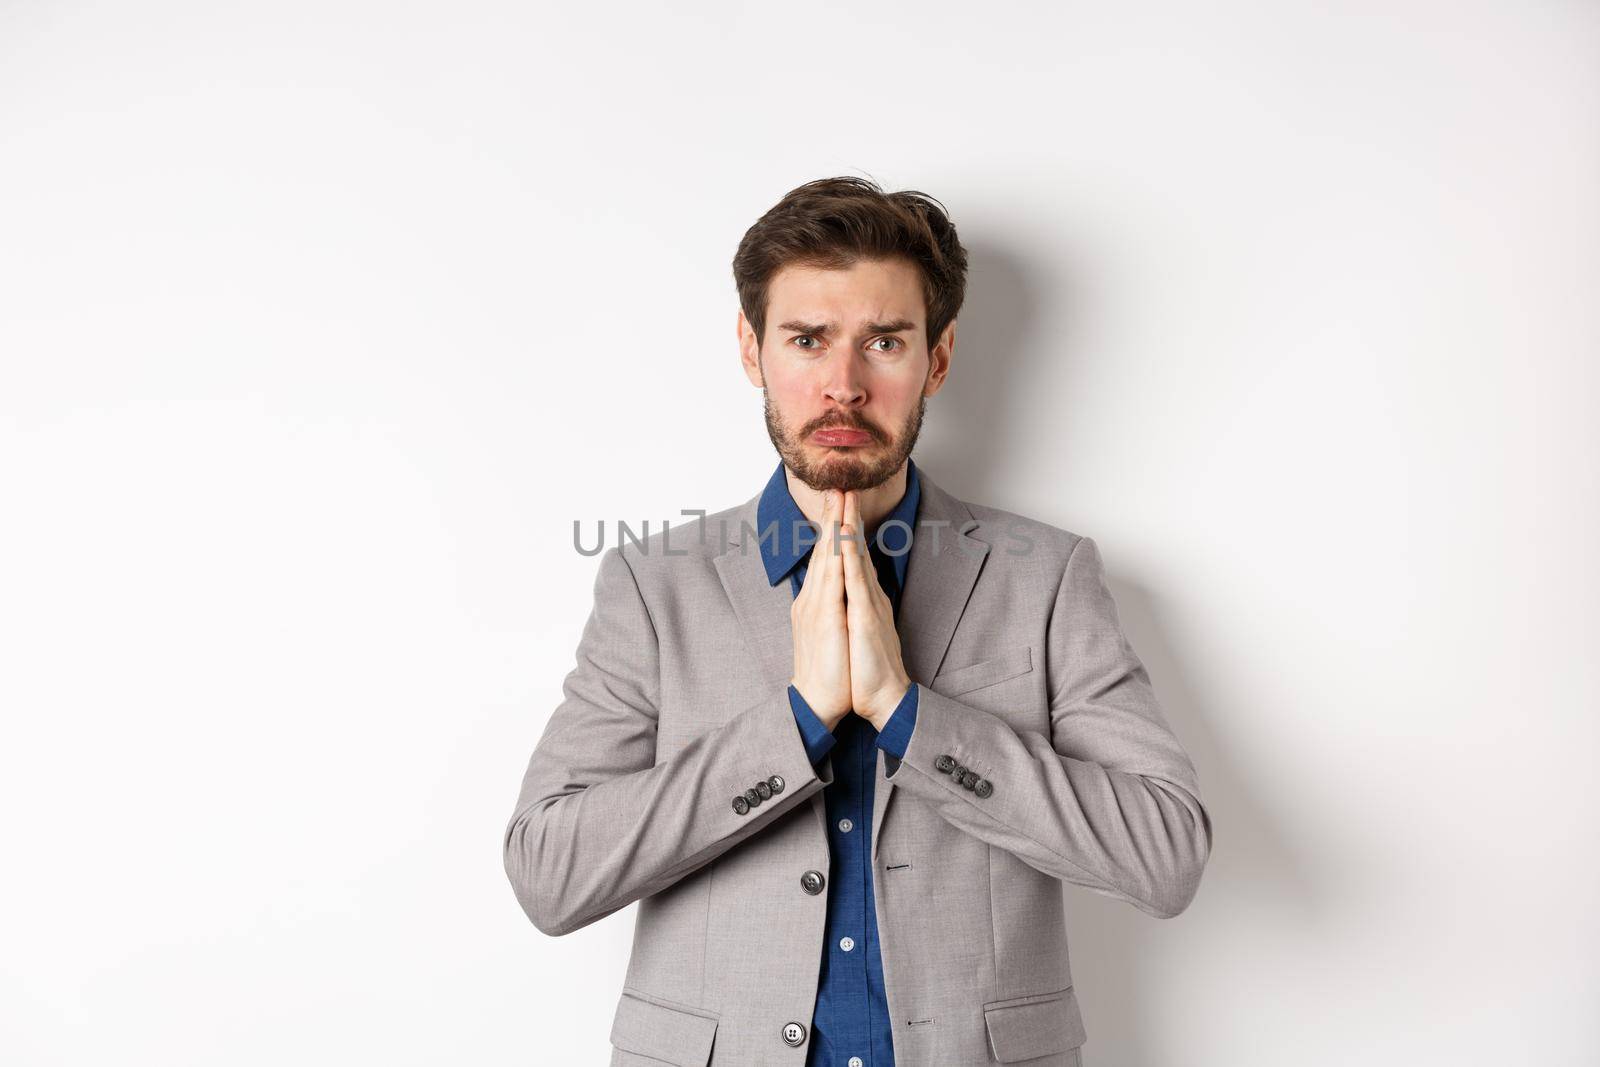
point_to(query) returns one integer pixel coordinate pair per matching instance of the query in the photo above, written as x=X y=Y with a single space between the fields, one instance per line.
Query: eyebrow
x=825 y=329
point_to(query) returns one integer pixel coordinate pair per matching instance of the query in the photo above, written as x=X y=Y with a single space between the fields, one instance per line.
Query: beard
x=861 y=467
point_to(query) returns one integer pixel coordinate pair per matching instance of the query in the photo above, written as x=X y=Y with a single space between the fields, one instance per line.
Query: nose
x=844 y=382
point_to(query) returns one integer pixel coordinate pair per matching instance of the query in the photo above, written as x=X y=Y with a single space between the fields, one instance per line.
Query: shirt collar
x=791 y=539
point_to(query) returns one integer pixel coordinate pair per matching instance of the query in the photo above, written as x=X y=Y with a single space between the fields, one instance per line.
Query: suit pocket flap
x=676 y=1035
x=1026 y=1028
x=991 y=671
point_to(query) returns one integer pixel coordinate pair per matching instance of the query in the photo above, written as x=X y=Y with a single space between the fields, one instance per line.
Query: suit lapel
x=943 y=567
x=763 y=613
x=940 y=573
x=761 y=608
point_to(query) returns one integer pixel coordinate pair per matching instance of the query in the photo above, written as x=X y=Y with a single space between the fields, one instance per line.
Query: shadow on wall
x=972 y=422
x=1256 y=889
x=972 y=429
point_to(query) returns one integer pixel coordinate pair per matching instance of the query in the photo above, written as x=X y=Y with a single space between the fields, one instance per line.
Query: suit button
x=740 y=805
x=776 y=783
x=957 y=771
x=794 y=1035
x=969 y=780
x=983 y=788
x=945 y=764
x=812 y=882
x=765 y=790
x=751 y=797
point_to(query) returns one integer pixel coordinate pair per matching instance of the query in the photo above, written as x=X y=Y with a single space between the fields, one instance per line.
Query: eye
x=895 y=341
x=803 y=337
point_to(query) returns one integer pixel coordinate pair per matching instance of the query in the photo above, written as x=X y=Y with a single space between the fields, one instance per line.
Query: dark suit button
x=957 y=771
x=945 y=764
x=740 y=805
x=765 y=790
x=776 y=782
x=794 y=1035
x=969 y=780
x=812 y=882
x=752 y=797
x=983 y=788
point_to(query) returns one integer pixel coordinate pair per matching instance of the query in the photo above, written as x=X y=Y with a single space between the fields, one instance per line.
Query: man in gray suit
x=753 y=690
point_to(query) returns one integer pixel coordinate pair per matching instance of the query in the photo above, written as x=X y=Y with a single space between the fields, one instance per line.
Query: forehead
x=873 y=290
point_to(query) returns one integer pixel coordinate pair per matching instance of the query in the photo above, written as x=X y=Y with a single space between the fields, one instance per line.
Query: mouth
x=839 y=437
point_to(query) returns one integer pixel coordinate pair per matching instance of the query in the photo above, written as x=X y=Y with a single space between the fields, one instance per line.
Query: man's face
x=845 y=368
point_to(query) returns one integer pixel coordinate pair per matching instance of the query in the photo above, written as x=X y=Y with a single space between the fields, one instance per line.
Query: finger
x=835 y=569
x=852 y=517
x=809 y=582
x=860 y=545
x=854 y=587
x=820 y=563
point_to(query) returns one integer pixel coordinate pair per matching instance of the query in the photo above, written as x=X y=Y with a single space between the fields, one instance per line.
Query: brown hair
x=832 y=223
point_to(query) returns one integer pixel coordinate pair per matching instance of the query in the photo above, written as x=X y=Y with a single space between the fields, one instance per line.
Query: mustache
x=842 y=424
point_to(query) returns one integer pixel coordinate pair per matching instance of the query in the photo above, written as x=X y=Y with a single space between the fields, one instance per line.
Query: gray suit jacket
x=679 y=702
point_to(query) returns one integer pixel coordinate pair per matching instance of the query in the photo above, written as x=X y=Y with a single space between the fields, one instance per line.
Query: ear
x=750 y=351
x=939 y=360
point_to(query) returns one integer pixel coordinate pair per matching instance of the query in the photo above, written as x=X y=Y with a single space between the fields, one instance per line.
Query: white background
x=322 y=322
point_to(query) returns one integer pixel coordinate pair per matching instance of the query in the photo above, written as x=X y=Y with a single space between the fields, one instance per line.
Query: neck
x=876 y=503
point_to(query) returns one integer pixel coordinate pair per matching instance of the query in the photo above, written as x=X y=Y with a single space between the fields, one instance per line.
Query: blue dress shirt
x=850 y=1023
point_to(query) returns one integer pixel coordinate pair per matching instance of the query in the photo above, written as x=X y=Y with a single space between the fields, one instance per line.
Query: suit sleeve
x=599 y=823
x=1109 y=800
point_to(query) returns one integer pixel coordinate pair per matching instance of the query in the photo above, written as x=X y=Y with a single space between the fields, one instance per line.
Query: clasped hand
x=846 y=648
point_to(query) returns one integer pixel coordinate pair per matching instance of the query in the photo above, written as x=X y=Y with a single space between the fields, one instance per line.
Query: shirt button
x=847 y=943
x=845 y=826
x=855 y=1061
